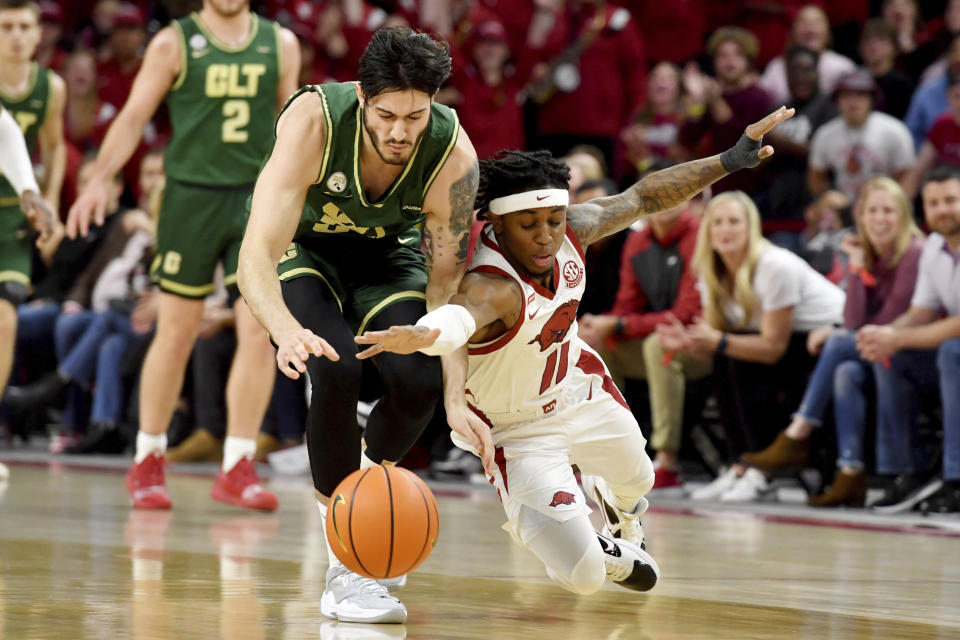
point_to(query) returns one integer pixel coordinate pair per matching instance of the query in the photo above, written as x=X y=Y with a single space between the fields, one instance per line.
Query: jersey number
x=236 y=114
x=548 y=371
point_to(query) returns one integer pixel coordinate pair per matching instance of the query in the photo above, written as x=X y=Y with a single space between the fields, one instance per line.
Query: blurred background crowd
x=751 y=328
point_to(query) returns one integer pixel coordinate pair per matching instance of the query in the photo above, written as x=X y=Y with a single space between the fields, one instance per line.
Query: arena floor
x=76 y=562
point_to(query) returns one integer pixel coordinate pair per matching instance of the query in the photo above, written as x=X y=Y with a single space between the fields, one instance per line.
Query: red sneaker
x=666 y=479
x=146 y=484
x=241 y=487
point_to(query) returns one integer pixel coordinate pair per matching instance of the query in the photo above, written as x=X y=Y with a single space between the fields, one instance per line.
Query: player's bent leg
x=178 y=322
x=8 y=340
x=414 y=385
x=569 y=551
x=249 y=388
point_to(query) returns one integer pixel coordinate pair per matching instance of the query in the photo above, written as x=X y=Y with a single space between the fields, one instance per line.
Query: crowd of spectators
x=805 y=269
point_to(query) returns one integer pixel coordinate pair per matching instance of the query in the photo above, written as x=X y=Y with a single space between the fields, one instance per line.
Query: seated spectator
x=86 y=116
x=603 y=256
x=878 y=49
x=859 y=144
x=929 y=101
x=656 y=284
x=50 y=53
x=917 y=41
x=759 y=304
x=826 y=228
x=726 y=105
x=122 y=55
x=783 y=203
x=883 y=260
x=654 y=131
x=811 y=29
x=920 y=350
x=951 y=29
x=942 y=145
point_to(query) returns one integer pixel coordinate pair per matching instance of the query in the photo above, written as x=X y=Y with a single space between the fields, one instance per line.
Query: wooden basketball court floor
x=76 y=562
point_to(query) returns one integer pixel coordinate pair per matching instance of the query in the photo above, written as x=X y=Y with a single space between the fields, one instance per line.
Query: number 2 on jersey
x=548 y=371
x=236 y=114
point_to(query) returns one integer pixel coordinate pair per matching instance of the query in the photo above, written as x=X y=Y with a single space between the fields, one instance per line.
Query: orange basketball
x=382 y=522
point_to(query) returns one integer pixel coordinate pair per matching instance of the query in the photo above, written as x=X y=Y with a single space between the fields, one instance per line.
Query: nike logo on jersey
x=534 y=312
x=406 y=240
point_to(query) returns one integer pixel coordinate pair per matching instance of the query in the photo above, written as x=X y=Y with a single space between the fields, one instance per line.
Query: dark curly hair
x=399 y=58
x=512 y=172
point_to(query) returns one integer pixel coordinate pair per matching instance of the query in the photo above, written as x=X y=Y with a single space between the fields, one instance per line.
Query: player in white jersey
x=545 y=396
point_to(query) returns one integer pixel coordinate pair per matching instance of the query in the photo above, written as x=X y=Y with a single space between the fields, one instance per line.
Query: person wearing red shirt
x=485 y=92
x=726 y=104
x=124 y=52
x=657 y=284
x=942 y=144
x=591 y=97
x=675 y=29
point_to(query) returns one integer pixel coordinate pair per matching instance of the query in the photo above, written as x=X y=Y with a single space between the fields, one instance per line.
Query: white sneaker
x=352 y=598
x=333 y=630
x=751 y=487
x=620 y=524
x=721 y=484
x=393 y=584
x=628 y=565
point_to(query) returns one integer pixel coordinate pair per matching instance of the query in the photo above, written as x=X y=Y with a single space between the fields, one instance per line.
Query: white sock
x=235 y=449
x=365 y=462
x=148 y=444
x=323 y=523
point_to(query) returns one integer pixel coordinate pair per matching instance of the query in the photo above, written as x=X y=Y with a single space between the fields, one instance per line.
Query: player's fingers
x=326 y=349
x=286 y=369
x=371 y=337
x=765 y=152
x=369 y=352
x=301 y=352
x=100 y=213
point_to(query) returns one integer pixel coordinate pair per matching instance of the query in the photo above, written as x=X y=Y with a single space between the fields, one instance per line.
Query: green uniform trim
x=219 y=44
x=15 y=276
x=386 y=302
x=307 y=271
x=182 y=75
x=358 y=181
x=10 y=201
x=446 y=154
x=185 y=289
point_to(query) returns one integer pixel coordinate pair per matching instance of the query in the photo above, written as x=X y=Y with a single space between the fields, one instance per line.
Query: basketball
x=382 y=522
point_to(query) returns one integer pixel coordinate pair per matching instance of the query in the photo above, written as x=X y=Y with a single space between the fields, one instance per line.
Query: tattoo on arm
x=462 y=194
x=658 y=191
x=428 y=248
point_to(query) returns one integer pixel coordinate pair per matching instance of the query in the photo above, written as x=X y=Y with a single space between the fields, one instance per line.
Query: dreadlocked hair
x=511 y=172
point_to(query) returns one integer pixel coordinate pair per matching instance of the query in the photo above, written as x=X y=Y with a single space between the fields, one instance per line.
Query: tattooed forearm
x=462 y=194
x=658 y=191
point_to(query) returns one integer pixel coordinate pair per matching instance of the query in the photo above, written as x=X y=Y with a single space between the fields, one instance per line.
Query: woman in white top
x=811 y=29
x=759 y=304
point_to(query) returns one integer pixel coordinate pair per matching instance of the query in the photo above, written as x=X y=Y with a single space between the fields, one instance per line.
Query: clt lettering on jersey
x=234 y=80
x=336 y=221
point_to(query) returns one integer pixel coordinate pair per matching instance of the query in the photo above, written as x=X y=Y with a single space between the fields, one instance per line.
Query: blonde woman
x=883 y=260
x=760 y=302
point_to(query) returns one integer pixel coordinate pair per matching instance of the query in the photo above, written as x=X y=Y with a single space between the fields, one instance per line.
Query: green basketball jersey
x=30 y=110
x=223 y=103
x=336 y=203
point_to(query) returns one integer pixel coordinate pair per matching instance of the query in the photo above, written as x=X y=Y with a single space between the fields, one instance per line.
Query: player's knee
x=638 y=474
x=416 y=381
x=331 y=379
x=588 y=575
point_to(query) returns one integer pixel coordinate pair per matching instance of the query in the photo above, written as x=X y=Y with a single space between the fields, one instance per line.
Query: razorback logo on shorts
x=562 y=497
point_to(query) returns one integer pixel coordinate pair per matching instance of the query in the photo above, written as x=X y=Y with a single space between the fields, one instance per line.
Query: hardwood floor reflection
x=76 y=562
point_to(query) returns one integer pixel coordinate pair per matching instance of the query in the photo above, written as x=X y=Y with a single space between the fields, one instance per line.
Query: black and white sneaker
x=902 y=493
x=628 y=565
x=620 y=524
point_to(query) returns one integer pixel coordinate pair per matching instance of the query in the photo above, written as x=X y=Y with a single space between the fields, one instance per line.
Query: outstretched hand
x=473 y=430
x=39 y=214
x=397 y=339
x=757 y=130
x=295 y=347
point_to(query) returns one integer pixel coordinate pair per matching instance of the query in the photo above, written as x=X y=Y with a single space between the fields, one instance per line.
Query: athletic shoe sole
x=906 y=505
x=346 y=613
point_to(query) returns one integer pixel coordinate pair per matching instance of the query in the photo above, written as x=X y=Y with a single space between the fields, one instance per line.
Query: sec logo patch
x=572 y=273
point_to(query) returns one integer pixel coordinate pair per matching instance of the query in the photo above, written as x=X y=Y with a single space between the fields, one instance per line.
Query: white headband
x=530 y=200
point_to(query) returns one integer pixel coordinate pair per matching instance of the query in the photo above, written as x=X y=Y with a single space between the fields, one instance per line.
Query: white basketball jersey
x=524 y=374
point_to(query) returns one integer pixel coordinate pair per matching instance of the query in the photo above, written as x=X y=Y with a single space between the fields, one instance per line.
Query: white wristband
x=456 y=326
x=14 y=160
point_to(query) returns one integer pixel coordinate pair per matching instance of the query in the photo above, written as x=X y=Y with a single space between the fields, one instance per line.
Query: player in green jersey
x=358 y=171
x=35 y=97
x=224 y=73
